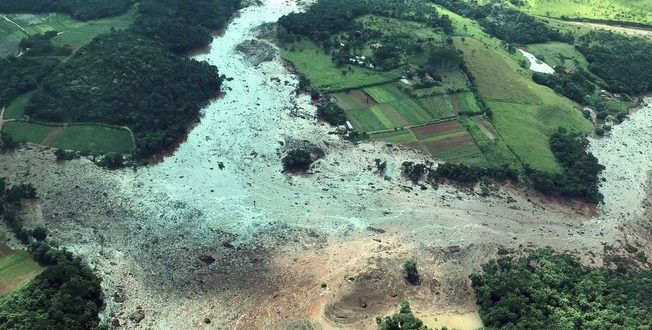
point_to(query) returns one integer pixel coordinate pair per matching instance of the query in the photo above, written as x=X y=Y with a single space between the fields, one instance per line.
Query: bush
x=404 y=319
x=39 y=233
x=414 y=172
x=112 y=161
x=411 y=271
x=599 y=131
x=297 y=160
x=331 y=114
x=65 y=154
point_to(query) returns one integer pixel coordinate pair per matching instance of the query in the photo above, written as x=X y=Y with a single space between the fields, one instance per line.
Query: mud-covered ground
x=216 y=236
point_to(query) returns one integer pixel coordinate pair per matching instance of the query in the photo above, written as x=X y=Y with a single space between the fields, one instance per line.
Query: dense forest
x=327 y=17
x=553 y=291
x=66 y=295
x=575 y=86
x=19 y=75
x=183 y=25
x=126 y=79
x=80 y=9
x=622 y=62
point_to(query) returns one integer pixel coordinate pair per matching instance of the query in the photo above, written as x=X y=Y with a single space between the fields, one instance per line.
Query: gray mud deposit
x=217 y=231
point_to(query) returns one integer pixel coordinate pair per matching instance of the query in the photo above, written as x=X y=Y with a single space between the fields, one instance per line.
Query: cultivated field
x=84 y=138
x=16 y=268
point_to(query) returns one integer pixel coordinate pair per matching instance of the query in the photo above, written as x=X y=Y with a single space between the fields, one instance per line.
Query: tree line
x=505 y=23
x=80 y=9
x=623 y=62
x=183 y=25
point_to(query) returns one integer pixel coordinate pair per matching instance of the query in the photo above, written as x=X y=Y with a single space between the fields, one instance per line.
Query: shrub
x=331 y=114
x=599 y=131
x=65 y=154
x=112 y=161
x=297 y=160
x=404 y=319
x=411 y=271
x=39 y=233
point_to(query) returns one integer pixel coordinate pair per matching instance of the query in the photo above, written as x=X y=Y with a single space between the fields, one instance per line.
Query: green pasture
x=317 y=65
x=16 y=109
x=16 y=269
x=497 y=76
x=365 y=120
x=23 y=131
x=92 y=138
x=84 y=138
x=637 y=11
x=526 y=129
x=559 y=54
x=72 y=32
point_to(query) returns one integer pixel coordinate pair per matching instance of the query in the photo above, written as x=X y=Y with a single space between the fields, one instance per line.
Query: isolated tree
x=411 y=272
x=297 y=160
x=39 y=233
x=401 y=320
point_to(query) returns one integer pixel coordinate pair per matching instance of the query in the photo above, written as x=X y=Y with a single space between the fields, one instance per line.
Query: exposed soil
x=448 y=143
x=52 y=136
x=363 y=100
x=425 y=131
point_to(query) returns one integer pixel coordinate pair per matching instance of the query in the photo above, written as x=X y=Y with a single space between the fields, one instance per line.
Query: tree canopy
x=546 y=290
x=126 y=79
x=80 y=9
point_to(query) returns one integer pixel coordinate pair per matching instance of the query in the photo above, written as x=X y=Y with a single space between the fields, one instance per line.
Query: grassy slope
x=16 y=268
x=638 y=11
x=559 y=54
x=16 y=109
x=72 y=32
x=318 y=67
x=525 y=114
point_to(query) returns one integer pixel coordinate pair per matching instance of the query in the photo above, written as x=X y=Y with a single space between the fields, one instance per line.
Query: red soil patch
x=448 y=143
x=362 y=98
x=52 y=136
x=426 y=131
